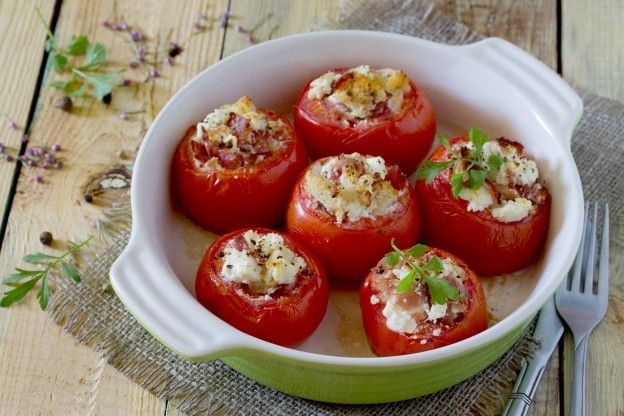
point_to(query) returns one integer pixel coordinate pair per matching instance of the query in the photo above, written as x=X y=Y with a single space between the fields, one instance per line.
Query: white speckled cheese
x=436 y=312
x=516 y=169
x=374 y=300
x=322 y=86
x=279 y=265
x=397 y=318
x=478 y=199
x=511 y=211
x=244 y=107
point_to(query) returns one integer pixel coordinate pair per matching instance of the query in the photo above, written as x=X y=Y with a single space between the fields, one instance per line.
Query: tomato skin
x=231 y=199
x=490 y=247
x=403 y=139
x=349 y=250
x=385 y=342
x=287 y=320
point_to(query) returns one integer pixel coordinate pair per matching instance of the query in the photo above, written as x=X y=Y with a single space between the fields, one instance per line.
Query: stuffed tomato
x=237 y=167
x=483 y=201
x=377 y=112
x=265 y=284
x=348 y=207
x=420 y=299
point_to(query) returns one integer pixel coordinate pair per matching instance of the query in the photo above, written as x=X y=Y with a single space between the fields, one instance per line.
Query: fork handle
x=577 y=401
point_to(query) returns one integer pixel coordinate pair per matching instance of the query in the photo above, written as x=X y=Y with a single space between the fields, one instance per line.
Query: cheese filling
x=238 y=134
x=413 y=312
x=352 y=187
x=261 y=261
x=361 y=92
x=510 y=192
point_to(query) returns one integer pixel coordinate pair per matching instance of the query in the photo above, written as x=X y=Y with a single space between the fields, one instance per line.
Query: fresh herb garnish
x=49 y=262
x=476 y=170
x=85 y=79
x=440 y=290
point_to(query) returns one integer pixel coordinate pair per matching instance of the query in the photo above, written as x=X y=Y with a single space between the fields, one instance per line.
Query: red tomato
x=253 y=195
x=284 y=317
x=349 y=249
x=489 y=246
x=386 y=342
x=403 y=139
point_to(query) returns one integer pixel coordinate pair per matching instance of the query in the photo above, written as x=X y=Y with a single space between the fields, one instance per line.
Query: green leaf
x=476 y=178
x=440 y=290
x=37 y=258
x=19 y=275
x=101 y=84
x=417 y=250
x=431 y=169
x=61 y=85
x=405 y=283
x=70 y=271
x=434 y=265
x=495 y=162
x=43 y=295
x=478 y=138
x=59 y=62
x=96 y=55
x=392 y=258
x=457 y=182
x=18 y=293
x=78 y=45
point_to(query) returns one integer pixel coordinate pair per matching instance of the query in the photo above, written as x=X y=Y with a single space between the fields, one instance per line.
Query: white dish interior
x=490 y=84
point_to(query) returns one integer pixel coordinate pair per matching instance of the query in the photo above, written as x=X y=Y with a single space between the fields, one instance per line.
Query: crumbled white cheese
x=362 y=90
x=374 y=300
x=511 y=211
x=352 y=187
x=478 y=199
x=436 y=312
x=279 y=265
x=515 y=169
x=436 y=332
x=397 y=318
x=244 y=108
x=423 y=341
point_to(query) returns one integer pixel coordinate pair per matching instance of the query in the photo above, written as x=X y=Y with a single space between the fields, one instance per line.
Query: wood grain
x=592 y=45
x=56 y=375
x=21 y=64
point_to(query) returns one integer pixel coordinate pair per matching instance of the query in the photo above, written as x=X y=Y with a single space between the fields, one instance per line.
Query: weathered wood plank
x=44 y=371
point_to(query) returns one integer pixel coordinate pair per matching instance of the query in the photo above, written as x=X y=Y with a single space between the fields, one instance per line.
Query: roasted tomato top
x=483 y=200
x=420 y=299
x=348 y=207
x=237 y=167
x=378 y=112
x=265 y=284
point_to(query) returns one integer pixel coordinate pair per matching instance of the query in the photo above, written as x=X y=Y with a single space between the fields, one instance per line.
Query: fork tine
x=590 y=266
x=574 y=277
x=603 y=265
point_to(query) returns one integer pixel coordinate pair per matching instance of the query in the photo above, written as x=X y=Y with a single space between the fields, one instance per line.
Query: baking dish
x=491 y=83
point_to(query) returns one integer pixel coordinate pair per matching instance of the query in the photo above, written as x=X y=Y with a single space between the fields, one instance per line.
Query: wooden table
x=42 y=369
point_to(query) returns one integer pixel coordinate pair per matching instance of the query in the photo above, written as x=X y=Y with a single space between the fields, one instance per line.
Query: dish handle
x=558 y=105
x=147 y=287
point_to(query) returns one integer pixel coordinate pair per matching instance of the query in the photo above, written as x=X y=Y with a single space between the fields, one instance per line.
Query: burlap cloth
x=98 y=319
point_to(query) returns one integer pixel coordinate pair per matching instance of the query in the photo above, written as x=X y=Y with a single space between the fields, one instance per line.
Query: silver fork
x=582 y=302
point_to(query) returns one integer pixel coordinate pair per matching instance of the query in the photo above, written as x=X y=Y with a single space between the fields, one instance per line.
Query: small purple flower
x=249 y=39
x=126 y=82
x=137 y=36
x=25 y=138
x=115 y=27
x=106 y=23
x=56 y=147
x=49 y=157
x=134 y=64
x=168 y=61
x=152 y=73
x=140 y=54
x=23 y=158
x=2 y=148
x=58 y=165
x=46 y=164
x=31 y=163
x=240 y=29
x=198 y=26
x=123 y=115
x=38 y=179
x=9 y=158
x=12 y=125
x=124 y=26
x=30 y=151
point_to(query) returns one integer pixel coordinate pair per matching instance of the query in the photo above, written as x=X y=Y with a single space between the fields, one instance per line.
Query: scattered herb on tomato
x=476 y=170
x=23 y=280
x=440 y=290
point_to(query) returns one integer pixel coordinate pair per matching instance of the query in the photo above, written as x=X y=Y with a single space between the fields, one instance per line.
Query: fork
x=582 y=302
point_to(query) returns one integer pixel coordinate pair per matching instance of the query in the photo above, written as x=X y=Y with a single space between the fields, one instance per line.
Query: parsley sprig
x=477 y=167
x=24 y=280
x=440 y=290
x=85 y=79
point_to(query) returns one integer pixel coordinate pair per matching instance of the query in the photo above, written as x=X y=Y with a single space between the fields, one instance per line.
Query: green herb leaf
x=37 y=258
x=434 y=265
x=19 y=275
x=440 y=290
x=457 y=182
x=443 y=139
x=61 y=85
x=78 y=45
x=96 y=55
x=102 y=83
x=18 y=293
x=59 y=62
x=70 y=271
x=417 y=250
x=478 y=138
x=495 y=162
x=431 y=169
x=476 y=178
x=392 y=258
x=43 y=295
x=405 y=283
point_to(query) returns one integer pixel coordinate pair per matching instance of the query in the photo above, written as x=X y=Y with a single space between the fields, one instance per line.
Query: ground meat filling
x=237 y=135
x=352 y=186
x=511 y=192
x=361 y=93
x=412 y=312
